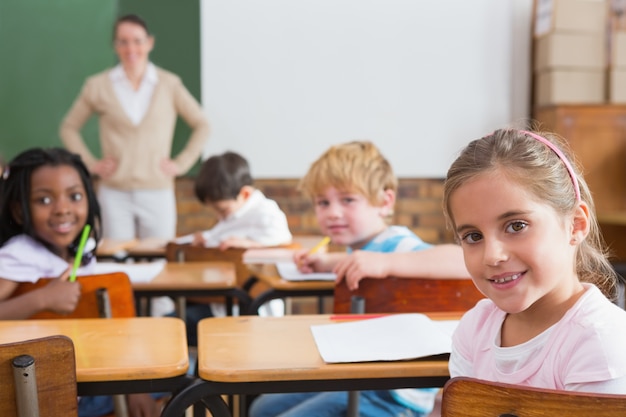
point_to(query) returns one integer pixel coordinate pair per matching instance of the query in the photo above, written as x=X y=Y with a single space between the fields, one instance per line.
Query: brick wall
x=418 y=206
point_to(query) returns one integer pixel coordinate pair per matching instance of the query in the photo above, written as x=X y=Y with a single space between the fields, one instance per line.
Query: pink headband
x=561 y=156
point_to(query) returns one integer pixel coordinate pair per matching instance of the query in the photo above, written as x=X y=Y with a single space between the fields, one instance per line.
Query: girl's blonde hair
x=534 y=166
x=354 y=167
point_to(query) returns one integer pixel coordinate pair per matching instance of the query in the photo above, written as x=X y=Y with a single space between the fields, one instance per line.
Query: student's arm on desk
x=308 y=262
x=60 y=296
x=439 y=261
x=201 y=239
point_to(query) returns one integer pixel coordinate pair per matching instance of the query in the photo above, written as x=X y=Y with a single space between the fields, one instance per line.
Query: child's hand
x=359 y=265
x=198 y=239
x=308 y=263
x=142 y=405
x=60 y=295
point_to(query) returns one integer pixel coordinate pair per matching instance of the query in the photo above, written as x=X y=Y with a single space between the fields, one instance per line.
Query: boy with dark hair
x=246 y=217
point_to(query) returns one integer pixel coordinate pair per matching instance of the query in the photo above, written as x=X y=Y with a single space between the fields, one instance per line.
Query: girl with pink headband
x=525 y=220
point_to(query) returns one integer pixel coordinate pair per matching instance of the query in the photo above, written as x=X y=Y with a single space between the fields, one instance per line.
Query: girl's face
x=349 y=218
x=132 y=45
x=58 y=205
x=520 y=252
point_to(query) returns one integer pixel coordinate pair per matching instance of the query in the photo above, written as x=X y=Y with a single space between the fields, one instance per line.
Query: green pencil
x=79 y=252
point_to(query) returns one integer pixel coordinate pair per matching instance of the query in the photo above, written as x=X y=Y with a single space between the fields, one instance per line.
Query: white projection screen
x=282 y=80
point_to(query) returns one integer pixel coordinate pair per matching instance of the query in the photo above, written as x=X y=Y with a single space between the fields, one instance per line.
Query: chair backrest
x=119 y=290
x=409 y=295
x=187 y=253
x=55 y=373
x=468 y=397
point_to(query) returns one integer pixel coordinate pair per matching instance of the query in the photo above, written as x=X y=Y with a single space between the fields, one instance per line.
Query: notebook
x=289 y=272
x=389 y=338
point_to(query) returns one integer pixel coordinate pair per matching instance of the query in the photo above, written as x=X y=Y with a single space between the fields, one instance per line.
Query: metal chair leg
x=357 y=306
x=25 y=386
x=104 y=310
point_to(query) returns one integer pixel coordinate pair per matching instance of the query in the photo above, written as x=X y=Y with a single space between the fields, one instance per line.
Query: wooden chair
x=187 y=253
x=409 y=295
x=118 y=288
x=404 y=295
x=54 y=372
x=468 y=397
x=102 y=295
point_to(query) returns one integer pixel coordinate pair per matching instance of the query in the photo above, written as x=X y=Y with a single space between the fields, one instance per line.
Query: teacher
x=137 y=104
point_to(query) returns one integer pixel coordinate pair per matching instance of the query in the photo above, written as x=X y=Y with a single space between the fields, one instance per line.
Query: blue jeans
x=100 y=405
x=328 y=404
x=95 y=406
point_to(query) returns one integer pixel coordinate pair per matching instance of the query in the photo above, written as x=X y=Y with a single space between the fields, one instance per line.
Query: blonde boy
x=353 y=189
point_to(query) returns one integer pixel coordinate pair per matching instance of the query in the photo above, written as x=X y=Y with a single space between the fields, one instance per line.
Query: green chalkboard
x=49 y=48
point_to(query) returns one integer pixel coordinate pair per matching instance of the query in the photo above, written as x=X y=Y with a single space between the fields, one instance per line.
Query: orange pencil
x=320 y=245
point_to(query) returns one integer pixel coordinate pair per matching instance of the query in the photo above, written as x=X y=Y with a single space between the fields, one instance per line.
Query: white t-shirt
x=24 y=259
x=584 y=351
x=259 y=219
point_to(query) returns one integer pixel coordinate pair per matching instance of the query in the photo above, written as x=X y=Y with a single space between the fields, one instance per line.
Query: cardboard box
x=571 y=15
x=570 y=87
x=579 y=50
x=617 y=86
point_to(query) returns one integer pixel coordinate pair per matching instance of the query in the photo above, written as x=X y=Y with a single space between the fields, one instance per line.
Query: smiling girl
x=46 y=199
x=525 y=219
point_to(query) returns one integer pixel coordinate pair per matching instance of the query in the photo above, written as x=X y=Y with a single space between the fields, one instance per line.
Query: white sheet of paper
x=388 y=338
x=139 y=272
x=289 y=271
x=447 y=326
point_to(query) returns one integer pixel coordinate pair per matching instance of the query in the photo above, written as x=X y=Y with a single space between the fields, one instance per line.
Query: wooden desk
x=194 y=279
x=617 y=218
x=280 y=288
x=116 y=356
x=613 y=227
x=152 y=248
x=155 y=248
x=254 y=355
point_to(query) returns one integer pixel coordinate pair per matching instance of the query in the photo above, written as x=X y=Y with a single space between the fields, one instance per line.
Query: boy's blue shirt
x=402 y=239
x=395 y=239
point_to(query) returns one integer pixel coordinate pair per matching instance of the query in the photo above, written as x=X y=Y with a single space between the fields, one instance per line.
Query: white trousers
x=130 y=214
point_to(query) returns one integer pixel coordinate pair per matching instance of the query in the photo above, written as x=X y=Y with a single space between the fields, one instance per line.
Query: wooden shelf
x=616 y=218
x=597 y=136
